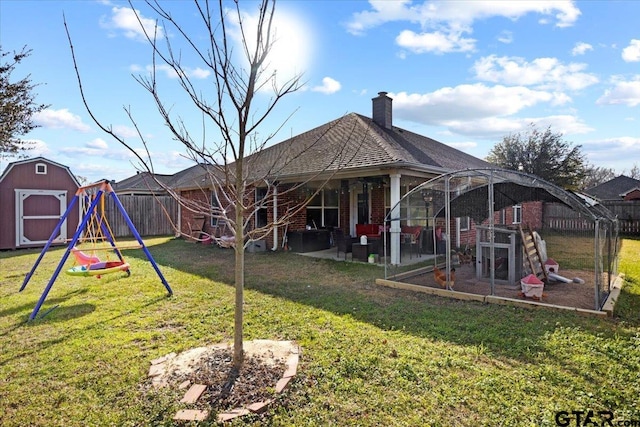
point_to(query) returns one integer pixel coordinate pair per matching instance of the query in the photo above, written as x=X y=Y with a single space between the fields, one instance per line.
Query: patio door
x=360 y=206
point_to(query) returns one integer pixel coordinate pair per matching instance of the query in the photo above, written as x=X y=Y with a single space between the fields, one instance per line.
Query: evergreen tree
x=17 y=105
x=541 y=153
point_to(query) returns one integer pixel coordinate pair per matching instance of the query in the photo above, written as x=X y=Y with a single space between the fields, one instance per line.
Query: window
x=322 y=210
x=503 y=217
x=261 y=212
x=215 y=209
x=414 y=210
x=41 y=169
x=465 y=223
x=517 y=214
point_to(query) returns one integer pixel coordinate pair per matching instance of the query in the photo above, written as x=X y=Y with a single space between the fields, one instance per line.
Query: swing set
x=94 y=229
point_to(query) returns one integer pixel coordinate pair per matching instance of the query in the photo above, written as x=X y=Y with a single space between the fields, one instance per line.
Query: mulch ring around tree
x=211 y=387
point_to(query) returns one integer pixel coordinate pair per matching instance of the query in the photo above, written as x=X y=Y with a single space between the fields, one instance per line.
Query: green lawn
x=371 y=356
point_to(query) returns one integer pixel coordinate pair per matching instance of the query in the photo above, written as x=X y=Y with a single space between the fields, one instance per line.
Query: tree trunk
x=238 y=350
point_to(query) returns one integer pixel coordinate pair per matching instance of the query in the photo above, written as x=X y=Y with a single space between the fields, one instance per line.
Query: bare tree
x=235 y=159
x=596 y=175
x=634 y=172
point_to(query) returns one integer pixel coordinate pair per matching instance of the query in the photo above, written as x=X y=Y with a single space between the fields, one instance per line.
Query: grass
x=370 y=356
x=571 y=251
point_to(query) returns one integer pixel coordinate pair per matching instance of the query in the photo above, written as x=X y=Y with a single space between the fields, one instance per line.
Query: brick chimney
x=382 y=110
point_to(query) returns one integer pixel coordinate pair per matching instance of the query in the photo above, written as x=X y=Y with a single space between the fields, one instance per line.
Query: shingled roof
x=614 y=189
x=142 y=182
x=349 y=145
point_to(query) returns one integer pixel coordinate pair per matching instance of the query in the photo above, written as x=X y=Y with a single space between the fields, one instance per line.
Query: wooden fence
x=152 y=216
x=560 y=217
x=628 y=214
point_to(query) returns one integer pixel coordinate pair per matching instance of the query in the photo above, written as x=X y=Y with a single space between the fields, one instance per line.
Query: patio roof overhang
x=402 y=168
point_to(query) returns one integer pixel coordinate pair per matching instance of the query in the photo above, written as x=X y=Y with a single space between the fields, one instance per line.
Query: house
x=34 y=194
x=142 y=183
x=620 y=188
x=360 y=166
x=621 y=195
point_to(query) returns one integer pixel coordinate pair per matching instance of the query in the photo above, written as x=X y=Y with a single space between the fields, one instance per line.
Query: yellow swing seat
x=100 y=268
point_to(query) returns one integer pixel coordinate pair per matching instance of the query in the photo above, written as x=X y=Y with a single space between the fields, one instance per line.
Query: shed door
x=38 y=212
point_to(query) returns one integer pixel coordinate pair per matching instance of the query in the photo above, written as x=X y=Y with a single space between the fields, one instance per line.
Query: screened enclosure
x=488 y=229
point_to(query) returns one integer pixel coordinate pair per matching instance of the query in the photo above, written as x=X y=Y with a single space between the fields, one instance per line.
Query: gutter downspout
x=275 y=218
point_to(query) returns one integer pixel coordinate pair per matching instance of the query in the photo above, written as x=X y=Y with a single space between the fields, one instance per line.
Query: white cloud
x=543 y=73
x=631 y=53
x=469 y=102
x=624 y=92
x=37 y=147
x=125 y=131
x=464 y=146
x=198 y=73
x=328 y=87
x=171 y=161
x=484 y=112
x=131 y=23
x=195 y=73
x=437 y=42
x=96 y=147
x=451 y=15
x=581 y=48
x=98 y=144
x=60 y=119
x=616 y=152
x=498 y=127
x=622 y=142
x=505 y=37
x=97 y=170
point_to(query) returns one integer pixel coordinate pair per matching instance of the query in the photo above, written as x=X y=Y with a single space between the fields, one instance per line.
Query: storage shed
x=34 y=194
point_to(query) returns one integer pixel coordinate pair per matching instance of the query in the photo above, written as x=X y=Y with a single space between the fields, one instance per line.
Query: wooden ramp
x=533 y=263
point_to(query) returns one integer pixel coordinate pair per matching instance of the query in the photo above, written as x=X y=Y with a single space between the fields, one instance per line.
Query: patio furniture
x=412 y=237
x=309 y=240
x=361 y=252
x=343 y=243
x=369 y=230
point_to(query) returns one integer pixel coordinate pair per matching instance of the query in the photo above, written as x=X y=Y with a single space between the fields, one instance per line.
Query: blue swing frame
x=105 y=187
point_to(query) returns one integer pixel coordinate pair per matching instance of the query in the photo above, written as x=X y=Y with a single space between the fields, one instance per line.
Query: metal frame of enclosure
x=481 y=193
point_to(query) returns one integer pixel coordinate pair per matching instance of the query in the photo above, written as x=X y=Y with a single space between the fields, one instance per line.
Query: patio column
x=395 y=223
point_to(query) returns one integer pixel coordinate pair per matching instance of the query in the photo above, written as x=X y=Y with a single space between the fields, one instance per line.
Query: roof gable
x=355 y=141
x=142 y=182
x=632 y=194
x=11 y=165
x=614 y=189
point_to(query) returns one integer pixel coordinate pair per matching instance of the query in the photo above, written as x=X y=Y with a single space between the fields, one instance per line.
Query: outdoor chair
x=413 y=237
x=343 y=243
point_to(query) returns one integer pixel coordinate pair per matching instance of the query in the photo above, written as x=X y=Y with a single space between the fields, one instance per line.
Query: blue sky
x=466 y=73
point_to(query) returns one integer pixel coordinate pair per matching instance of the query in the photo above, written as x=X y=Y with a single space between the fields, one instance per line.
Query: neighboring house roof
x=632 y=192
x=194 y=177
x=614 y=189
x=350 y=146
x=11 y=165
x=142 y=183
